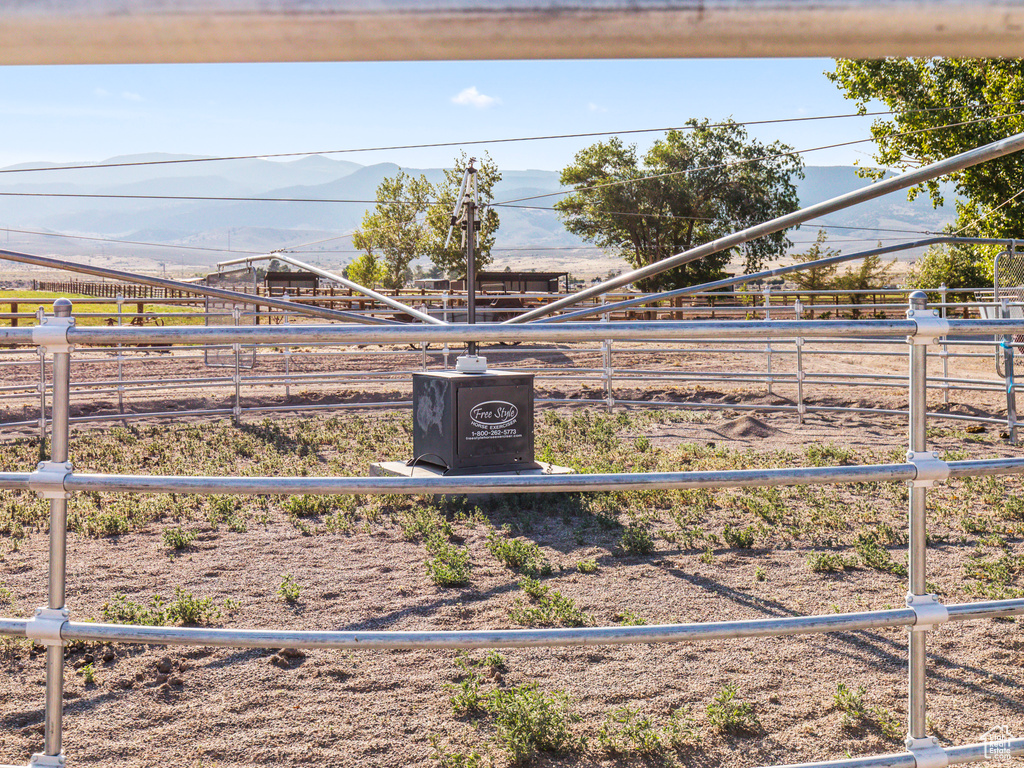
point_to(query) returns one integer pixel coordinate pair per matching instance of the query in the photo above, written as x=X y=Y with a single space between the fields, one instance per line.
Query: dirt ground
x=220 y=707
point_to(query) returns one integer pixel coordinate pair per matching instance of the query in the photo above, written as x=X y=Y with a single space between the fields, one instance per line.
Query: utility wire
x=748 y=161
x=129 y=242
x=203 y=197
x=982 y=218
x=477 y=142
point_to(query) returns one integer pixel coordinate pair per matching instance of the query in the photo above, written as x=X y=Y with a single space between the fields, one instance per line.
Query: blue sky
x=88 y=113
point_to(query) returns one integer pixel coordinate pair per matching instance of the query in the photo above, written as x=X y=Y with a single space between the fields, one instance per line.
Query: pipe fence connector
x=929 y=611
x=930 y=326
x=45 y=627
x=48 y=479
x=927 y=752
x=52 y=334
x=46 y=761
x=929 y=468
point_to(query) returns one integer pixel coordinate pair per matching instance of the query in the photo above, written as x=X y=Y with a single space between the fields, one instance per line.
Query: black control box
x=473 y=423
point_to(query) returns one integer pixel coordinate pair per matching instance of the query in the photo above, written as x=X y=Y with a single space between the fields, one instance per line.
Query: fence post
x=801 y=409
x=120 y=357
x=944 y=293
x=768 y=345
x=606 y=354
x=42 y=384
x=52 y=736
x=917 y=545
x=236 y=411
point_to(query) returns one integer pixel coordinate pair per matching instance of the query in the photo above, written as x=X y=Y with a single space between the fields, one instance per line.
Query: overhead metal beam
x=153 y=31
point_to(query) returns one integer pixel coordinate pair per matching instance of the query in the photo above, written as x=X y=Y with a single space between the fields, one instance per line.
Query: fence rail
x=56 y=480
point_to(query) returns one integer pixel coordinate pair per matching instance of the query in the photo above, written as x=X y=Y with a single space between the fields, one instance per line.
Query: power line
x=129 y=242
x=203 y=197
x=477 y=142
x=621 y=182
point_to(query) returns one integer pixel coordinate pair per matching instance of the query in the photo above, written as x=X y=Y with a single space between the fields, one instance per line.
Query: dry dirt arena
x=659 y=557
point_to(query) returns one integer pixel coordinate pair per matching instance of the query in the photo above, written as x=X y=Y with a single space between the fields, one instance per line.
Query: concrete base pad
x=400 y=469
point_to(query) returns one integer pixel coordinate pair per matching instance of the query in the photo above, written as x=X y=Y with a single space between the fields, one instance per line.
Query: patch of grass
x=88 y=673
x=637 y=540
x=549 y=609
x=830 y=455
x=529 y=720
x=309 y=506
x=108 y=523
x=627 y=618
x=422 y=523
x=453 y=759
x=739 y=538
x=850 y=703
x=178 y=538
x=184 y=608
x=857 y=714
x=873 y=555
x=449 y=565
x=521 y=556
x=626 y=731
x=587 y=566
x=829 y=562
x=289 y=590
x=730 y=715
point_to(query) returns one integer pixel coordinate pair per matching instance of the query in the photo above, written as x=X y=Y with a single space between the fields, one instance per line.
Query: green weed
x=549 y=609
x=178 y=538
x=449 y=565
x=829 y=562
x=739 y=538
x=289 y=590
x=728 y=714
x=637 y=539
x=521 y=556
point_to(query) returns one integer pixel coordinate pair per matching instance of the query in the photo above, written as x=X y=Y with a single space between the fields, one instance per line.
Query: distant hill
x=262 y=226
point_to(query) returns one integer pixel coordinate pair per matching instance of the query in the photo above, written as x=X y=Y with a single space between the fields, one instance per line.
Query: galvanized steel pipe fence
x=610 y=368
x=56 y=480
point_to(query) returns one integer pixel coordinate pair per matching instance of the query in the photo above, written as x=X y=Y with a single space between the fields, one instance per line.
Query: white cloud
x=473 y=98
x=129 y=96
x=101 y=92
x=596 y=107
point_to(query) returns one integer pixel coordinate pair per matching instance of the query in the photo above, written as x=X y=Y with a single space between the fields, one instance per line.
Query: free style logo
x=493 y=414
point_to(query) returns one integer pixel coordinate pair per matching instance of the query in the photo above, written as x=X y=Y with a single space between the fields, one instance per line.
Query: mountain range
x=33 y=211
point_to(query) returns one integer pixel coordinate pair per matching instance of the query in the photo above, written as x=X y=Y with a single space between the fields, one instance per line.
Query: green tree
x=816 y=278
x=396 y=226
x=957 y=267
x=367 y=270
x=871 y=274
x=691 y=187
x=951 y=95
x=452 y=260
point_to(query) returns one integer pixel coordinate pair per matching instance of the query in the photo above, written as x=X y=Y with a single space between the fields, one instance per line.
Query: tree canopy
x=396 y=226
x=452 y=260
x=942 y=107
x=691 y=187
